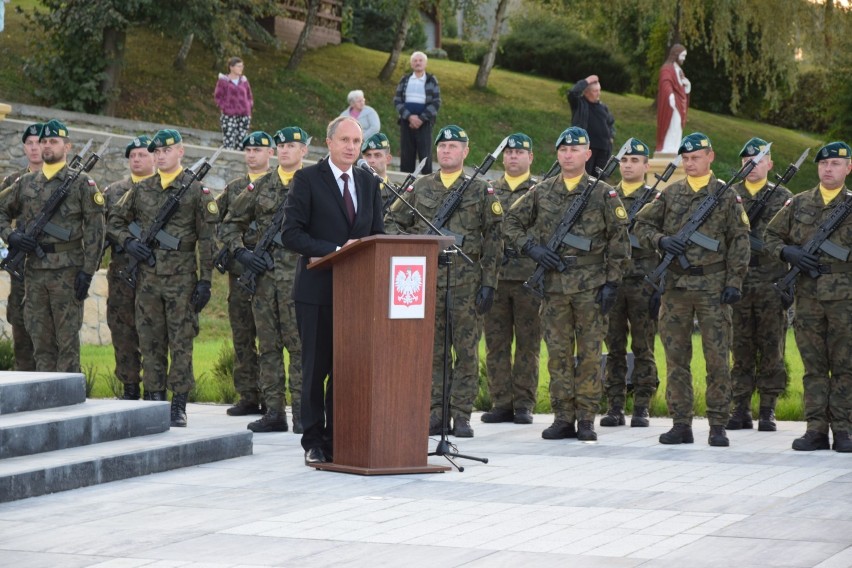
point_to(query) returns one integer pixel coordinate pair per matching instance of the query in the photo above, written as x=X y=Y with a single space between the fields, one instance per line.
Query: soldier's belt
x=701 y=270
x=62 y=247
x=835 y=268
x=585 y=260
x=188 y=246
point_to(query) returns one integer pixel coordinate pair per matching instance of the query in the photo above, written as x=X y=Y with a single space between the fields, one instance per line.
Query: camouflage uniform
x=52 y=313
x=569 y=314
x=121 y=313
x=759 y=319
x=689 y=296
x=478 y=220
x=514 y=313
x=165 y=319
x=23 y=343
x=630 y=314
x=273 y=308
x=823 y=311
x=243 y=328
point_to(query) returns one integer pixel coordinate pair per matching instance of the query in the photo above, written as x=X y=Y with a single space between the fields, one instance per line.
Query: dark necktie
x=347 y=198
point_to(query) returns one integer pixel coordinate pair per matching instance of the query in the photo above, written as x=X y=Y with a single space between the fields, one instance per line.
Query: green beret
x=834 y=150
x=450 y=133
x=165 y=137
x=694 y=142
x=377 y=141
x=573 y=136
x=519 y=141
x=637 y=148
x=32 y=130
x=136 y=143
x=257 y=139
x=292 y=134
x=53 y=129
x=753 y=147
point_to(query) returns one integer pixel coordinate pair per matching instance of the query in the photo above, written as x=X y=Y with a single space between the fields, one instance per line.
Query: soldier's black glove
x=654 y=304
x=251 y=261
x=543 y=255
x=730 y=295
x=81 y=285
x=137 y=249
x=799 y=258
x=200 y=296
x=673 y=245
x=606 y=296
x=484 y=299
x=19 y=240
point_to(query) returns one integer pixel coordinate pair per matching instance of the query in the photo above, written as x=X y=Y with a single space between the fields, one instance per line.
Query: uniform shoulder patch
x=659 y=195
x=613 y=193
x=410 y=188
x=91 y=182
x=212 y=208
x=98 y=198
x=489 y=189
x=497 y=208
x=739 y=199
x=744 y=217
x=250 y=187
x=788 y=202
x=205 y=190
x=620 y=212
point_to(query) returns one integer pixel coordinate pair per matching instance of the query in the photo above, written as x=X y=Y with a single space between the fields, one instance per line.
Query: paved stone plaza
x=624 y=501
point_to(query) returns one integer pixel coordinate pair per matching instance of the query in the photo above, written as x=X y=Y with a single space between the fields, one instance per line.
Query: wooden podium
x=382 y=366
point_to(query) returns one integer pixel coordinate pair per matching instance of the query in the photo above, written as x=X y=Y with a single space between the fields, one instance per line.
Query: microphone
x=362 y=163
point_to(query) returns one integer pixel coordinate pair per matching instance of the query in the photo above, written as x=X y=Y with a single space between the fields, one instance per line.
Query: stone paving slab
x=625 y=501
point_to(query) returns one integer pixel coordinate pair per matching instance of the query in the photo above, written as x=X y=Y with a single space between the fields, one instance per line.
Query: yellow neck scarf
x=254 y=177
x=630 y=188
x=285 y=177
x=136 y=179
x=571 y=183
x=696 y=183
x=167 y=179
x=514 y=182
x=449 y=179
x=753 y=188
x=50 y=170
x=828 y=195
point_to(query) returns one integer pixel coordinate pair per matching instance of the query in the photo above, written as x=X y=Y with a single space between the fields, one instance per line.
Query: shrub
x=375 y=28
x=7 y=354
x=464 y=51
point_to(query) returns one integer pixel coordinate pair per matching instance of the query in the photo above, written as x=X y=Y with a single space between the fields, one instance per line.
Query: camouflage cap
x=137 y=143
x=165 y=137
x=573 y=136
x=257 y=139
x=53 y=129
x=519 y=141
x=753 y=147
x=377 y=141
x=450 y=133
x=637 y=148
x=292 y=134
x=694 y=142
x=33 y=129
x=834 y=150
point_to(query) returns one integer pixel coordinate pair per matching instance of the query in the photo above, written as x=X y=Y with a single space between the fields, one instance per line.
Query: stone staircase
x=53 y=439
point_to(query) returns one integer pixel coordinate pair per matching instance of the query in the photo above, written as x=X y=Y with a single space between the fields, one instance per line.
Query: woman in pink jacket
x=233 y=97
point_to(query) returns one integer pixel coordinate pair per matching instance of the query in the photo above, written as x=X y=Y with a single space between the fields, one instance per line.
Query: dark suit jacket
x=315 y=224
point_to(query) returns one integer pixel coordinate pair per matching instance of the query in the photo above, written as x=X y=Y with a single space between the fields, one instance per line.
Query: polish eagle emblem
x=408 y=286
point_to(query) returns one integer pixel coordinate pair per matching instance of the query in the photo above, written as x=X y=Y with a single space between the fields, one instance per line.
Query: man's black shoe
x=523 y=416
x=766 y=420
x=741 y=418
x=718 y=437
x=558 y=430
x=679 y=434
x=640 y=417
x=811 y=441
x=244 y=408
x=586 y=431
x=131 y=391
x=272 y=421
x=434 y=425
x=461 y=427
x=178 y=418
x=496 y=415
x=314 y=456
x=613 y=417
x=842 y=443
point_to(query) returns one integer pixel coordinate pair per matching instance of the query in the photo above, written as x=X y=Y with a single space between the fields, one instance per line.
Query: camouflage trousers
x=513 y=385
x=759 y=333
x=630 y=315
x=572 y=321
x=677 y=314
x=23 y=343
x=822 y=335
x=121 y=319
x=244 y=334
x=275 y=318
x=54 y=318
x=167 y=325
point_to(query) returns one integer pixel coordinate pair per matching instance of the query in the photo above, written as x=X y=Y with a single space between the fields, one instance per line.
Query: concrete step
x=96 y=421
x=20 y=392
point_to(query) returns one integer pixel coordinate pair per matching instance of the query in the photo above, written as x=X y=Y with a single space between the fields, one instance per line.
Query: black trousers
x=599 y=158
x=415 y=144
x=316 y=330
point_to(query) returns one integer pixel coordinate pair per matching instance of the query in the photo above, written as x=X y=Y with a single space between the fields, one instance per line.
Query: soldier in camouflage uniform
x=478 y=220
x=823 y=304
x=121 y=298
x=257 y=150
x=630 y=313
x=23 y=343
x=515 y=312
x=170 y=294
x=273 y=308
x=704 y=291
x=759 y=320
x=376 y=151
x=57 y=284
x=576 y=301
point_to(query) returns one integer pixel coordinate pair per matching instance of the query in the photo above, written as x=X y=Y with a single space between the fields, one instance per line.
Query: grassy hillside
x=310 y=97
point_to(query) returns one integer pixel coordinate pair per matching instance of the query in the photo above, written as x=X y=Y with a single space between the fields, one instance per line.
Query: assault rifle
x=819 y=242
x=562 y=234
x=690 y=233
x=154 y=234
x=639 y=203
x=409 y=179
x=755 y=210
x=41 y=224
x=552 y=171
x=265 y=245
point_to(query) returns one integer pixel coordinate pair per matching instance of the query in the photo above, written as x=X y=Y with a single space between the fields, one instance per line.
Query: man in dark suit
x=331 y=205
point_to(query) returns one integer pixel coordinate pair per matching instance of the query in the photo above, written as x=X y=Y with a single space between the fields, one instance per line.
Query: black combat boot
x=244 y=407
x=131 y=391
x=559 y=429
x=435 y=425
x=496 y=415
x=811 y=441
x=679 y=434
x=640 y=417
x=586 y=430
x=157 y=395
x=272 y=421
x=741 y=417
x=297 y=420
x=766 y=419
x=523 y=416
x=179 y=410
x=461 y=427
x=613 y=417
x=842 y=443
x=718 y=437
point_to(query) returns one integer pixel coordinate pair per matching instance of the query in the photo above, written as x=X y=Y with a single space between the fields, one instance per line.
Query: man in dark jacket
x=590 y=114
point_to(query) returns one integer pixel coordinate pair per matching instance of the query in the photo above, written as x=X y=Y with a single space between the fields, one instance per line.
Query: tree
x=487 y=64
x=302 y=43
x=399 y=40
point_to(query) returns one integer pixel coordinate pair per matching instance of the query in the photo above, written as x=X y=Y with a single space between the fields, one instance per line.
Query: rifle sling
x=700 y=270
x=62 y=247
x=835 y=268
x=584 y=260
x=188 y=246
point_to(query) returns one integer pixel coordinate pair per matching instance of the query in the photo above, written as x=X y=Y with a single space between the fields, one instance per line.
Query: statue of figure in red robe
x=672 y=101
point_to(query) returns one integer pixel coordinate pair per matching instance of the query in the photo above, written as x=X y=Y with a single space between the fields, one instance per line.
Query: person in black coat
x=330 y=205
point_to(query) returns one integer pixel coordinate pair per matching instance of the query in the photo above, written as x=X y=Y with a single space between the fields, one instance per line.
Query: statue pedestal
x=658 y=165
